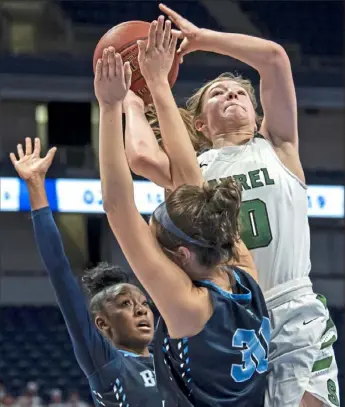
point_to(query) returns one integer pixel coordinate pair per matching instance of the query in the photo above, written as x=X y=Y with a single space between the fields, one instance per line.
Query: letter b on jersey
x=149 y=378
x=254 y=349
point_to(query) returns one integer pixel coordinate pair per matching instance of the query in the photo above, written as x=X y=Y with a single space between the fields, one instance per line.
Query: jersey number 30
x=254 y=349
x=255 y=225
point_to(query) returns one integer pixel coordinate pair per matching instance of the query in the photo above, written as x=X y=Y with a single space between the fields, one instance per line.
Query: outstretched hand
x=189 y=32
x=30 y=165
x=157 y=55
x=112 y=78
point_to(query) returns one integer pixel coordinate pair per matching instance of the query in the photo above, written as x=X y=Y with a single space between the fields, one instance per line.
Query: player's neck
x=233 y=138
x=220 y=277
x=137 y=351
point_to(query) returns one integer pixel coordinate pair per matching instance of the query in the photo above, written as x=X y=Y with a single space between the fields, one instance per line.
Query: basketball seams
x=130 y=44
x=129 y=52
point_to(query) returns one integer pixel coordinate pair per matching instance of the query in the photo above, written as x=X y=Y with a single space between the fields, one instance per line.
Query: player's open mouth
x=144 y=325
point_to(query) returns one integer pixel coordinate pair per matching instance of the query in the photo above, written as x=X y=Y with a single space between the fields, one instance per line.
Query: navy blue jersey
x=226 y=363
x=116 y=378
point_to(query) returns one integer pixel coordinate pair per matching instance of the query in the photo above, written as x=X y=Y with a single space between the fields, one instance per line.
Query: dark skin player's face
x=128 y=319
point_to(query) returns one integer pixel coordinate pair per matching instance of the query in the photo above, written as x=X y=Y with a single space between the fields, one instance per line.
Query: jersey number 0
x=255 y=225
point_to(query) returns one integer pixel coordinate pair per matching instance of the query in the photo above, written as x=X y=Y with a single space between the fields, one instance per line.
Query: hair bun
x=102 y=276
x=223 y=196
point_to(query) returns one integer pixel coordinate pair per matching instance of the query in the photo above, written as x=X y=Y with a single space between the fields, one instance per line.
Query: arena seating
x=35 y=345
x=318 y=28
x=108 y=12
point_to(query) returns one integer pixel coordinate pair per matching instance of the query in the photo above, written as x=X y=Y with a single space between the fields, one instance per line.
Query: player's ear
x=200 y=125
x=102 y=324
x=184 y=255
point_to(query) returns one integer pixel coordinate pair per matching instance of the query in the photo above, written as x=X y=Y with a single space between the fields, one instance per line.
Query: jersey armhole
x=269 y=143
x=244 y=297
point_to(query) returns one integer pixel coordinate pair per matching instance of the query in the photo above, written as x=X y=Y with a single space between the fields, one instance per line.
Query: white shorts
x=301 y=357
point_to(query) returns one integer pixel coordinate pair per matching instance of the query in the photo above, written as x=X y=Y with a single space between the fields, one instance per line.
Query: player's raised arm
x=90 y=348
x=155 y=61
x=268 y=58
x=182 y=305
x=145 y=156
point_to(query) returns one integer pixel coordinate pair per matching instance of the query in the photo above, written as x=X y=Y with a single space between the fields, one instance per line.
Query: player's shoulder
x=259 y=141
x=205 y=156
x=246 y=289
x=200 y=155
x=241 y=293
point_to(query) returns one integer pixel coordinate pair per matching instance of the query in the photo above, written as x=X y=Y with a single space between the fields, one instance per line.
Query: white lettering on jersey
x=149 y=378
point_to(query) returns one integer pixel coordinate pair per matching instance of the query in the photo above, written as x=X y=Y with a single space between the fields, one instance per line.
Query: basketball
x=123 y=38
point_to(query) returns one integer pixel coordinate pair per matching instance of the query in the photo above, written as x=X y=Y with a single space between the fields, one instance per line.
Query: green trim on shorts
x=329 y=342
x=332 y=392
x=322 y=364
x=329 y=324
x=322 y=299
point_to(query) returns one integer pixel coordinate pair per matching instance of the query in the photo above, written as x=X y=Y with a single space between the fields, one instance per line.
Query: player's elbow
x=109 y=204
x=139 y=156
x=111 y=200
x=278 y=56
x=153 y=168
x=138 y=161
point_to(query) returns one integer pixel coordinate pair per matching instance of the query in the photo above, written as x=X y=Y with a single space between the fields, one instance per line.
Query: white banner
x=10 y=194
x=84 y=196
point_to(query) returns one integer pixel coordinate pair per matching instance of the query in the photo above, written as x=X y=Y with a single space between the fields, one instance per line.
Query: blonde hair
x=194 y=109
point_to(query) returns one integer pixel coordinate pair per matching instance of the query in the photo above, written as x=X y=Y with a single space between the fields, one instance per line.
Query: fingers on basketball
x=141 y=50
x=167 y=34
x=105 y=66
x=152 y=37
x=98 y=74
x=175 y=35
x=160 y=32
x=111 y=62
x=118 y=65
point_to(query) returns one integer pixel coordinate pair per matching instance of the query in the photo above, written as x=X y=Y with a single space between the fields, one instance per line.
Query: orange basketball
x=123 y=38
